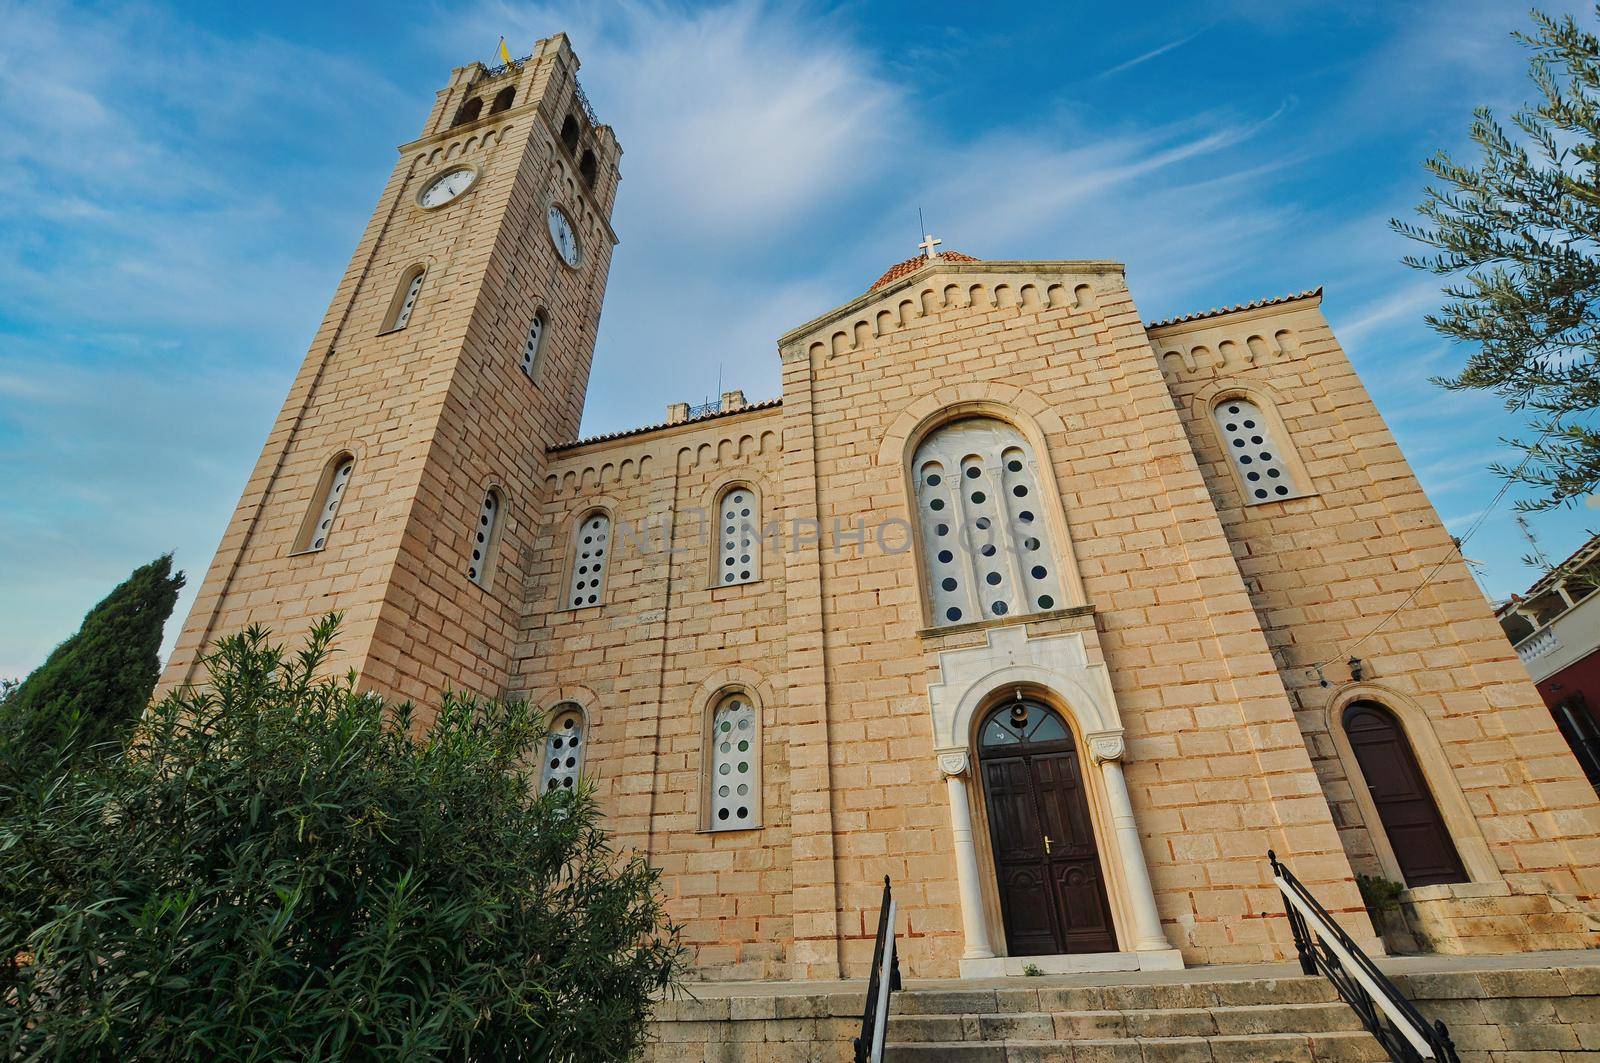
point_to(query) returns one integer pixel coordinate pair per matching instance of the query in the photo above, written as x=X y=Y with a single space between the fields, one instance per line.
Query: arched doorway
x=1052 y=891
x=1411 y=819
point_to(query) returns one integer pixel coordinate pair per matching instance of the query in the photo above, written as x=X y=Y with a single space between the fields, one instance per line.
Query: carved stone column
x=1107 y=751
x=973 y=924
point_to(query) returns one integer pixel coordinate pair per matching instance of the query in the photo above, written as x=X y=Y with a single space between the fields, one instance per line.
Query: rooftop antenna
x=1538 y=554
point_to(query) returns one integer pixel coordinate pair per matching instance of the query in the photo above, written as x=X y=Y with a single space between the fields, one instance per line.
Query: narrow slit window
x=320 y=524
x=484 y=537
x=405 y=300
x=590 y=557
x=563 y=750
x=1258 y=458
x=533 y=346
x=735 y=765
x=738 y=517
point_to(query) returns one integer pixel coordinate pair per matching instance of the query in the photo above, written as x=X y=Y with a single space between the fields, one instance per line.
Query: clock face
x=565 y=239
x=445 y=187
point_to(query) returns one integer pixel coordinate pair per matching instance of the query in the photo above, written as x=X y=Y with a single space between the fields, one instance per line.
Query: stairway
x=1290 y=1019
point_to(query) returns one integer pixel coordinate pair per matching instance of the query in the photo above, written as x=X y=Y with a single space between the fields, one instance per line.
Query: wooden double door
x=1052 y=892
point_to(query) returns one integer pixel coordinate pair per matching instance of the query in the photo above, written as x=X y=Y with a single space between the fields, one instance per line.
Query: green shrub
x=1378 y=893
x=277 y=868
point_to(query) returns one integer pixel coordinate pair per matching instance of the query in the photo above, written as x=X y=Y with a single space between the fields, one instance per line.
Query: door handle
x=1047 y=845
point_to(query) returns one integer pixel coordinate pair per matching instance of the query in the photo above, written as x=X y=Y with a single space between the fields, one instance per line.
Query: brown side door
x=1410 y=818
x=1052 y=893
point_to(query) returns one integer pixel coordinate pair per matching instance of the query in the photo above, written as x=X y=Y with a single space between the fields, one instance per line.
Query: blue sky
x=184 y=184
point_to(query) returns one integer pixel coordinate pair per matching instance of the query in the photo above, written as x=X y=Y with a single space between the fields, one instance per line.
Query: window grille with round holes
x=337 y=483
x=402 y=314
x=532 y=345
x=735 y=768
x=738 y=537
x=986 y=544
x=483 y=540
x=591 y=550
x=563 y=751
x=1250 y=446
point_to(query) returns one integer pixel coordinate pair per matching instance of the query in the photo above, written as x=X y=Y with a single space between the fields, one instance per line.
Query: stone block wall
x=1513 y=1016
x=1489 y=918
x=1358 y=563
x=1216 y=764
x=648 y=664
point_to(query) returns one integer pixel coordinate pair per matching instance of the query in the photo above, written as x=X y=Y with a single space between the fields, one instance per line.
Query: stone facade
x=1199 y=652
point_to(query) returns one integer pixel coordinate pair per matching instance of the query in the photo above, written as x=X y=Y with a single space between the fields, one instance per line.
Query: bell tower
x=400 y=482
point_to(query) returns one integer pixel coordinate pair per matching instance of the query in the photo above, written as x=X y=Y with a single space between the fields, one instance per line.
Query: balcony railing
x=1538 y=644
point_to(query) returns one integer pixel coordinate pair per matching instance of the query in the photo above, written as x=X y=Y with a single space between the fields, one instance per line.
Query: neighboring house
x=1555 y=627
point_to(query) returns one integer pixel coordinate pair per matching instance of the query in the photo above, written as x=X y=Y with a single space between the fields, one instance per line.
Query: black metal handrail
x=1325 y=949
x=885 y=979
x=583 y=101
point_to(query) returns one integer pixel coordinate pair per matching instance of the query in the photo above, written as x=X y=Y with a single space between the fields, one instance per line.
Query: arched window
x=318 y=523
x=591 y=550
x=738 y=536
x=532 y=346
x=734 y=764
x=405 y=299
x=502 y=99
x=485 y=537
x=563 y=749
x=569 y=133
x=1417 y=834
x=469 y=112
x=986 y=542
x=1260 y=461
x=588 y=169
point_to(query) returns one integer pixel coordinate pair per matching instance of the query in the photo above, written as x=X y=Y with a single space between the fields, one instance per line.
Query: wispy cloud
x=161 y=279
x=1153 y=53
x=165 y=256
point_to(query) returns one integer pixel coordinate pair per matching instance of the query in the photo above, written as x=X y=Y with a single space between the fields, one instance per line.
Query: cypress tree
x=94 y=686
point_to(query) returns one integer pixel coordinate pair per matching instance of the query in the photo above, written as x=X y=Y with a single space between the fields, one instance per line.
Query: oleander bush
x=281 y=867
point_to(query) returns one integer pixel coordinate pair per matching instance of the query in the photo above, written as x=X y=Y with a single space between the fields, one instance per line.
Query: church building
x=1058 y=617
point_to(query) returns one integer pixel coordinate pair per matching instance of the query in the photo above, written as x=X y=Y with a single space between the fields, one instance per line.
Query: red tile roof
x=1219 y=310
x=911 y=265
x=764 y=404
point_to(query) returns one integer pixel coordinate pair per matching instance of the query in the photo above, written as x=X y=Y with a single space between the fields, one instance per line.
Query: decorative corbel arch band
x=858 y=325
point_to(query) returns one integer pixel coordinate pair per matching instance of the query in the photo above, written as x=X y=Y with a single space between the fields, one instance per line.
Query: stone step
x=1137 y=997
x=1333 y=1047
x=1143 y=1022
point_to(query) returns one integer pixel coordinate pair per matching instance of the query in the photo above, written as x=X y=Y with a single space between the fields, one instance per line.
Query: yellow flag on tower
x=505 y=53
